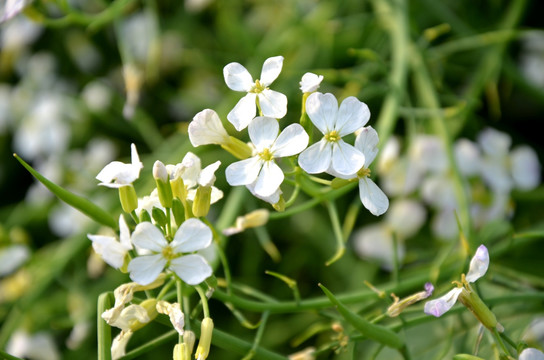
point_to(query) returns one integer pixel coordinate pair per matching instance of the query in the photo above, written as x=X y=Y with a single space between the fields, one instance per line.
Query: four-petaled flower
x=261 y=169
x=271 y=103
x=191 y=236
x=331 y=153
x=117 y=174
x=478 y=267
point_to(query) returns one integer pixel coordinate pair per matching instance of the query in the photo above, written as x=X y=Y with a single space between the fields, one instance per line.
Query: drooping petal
x=292 y=140
x=193 y=269
x=146 y=268
x=441 y=305
x=271 y=70
x=119 y=344
x=148 y=236
x=273 y=103
x=243 y=112
x=272 y=199
x=352 y=115
x=243 y=172
x=316 y=158
x=366 y=142
x=372 y=197
x=111 y=251
x=237 y=77
x=346 y=159
x=191 y=236
x=263 y=131
x=117 y=174
x=124 y=233
x=322 y=110
x=269 y=179
x=174 y=312
x=478 y=264
x=206 y=128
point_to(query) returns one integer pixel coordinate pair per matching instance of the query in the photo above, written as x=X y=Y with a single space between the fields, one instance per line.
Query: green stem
x=204 y=301
x=337 y=230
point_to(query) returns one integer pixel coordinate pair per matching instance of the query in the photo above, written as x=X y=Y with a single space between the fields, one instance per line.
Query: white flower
x=372 y=197
x=531 y=354
x=478 y=267
x=38 y=346
x=191 y=236
x=12 y=8
x=112 y=251
x=310 y=82
x=12 y=257
x=405 y=217
x=467 y=157
x=272 y=103
x=206 y=128
x=261 y=169
x=331 y=152
x=428 y=153
x=376 y=242
x=117 y=174
x=525 y=168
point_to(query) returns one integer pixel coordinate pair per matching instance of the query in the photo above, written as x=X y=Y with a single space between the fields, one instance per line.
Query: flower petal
x=146 y=268
x=271 y=70
x=237 y=77
x=174 y=312
x=269 y=179
x=367 y=142
x=207 y=175
x=322 y=110
x=352 y=115
x=292 y=140
x=531 y=354
x=193 y=269
x=111 y=251
x=191 y=236
x=441 y=305
x=310 y=82
x=124 y=233
x=148 y=236
x=478 y=264
x=263 y=131
x=243 y=172
x=526 y=168
x=273 y=103
x=316 y=158
x=206 y=128
x=243 y=112
x=372 y=197
x=346 y=160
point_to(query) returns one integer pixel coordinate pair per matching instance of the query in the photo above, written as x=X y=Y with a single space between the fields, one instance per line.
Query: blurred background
x=80 y=80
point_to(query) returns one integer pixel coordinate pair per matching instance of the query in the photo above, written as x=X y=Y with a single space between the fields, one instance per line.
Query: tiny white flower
x=478 y=267
x=117 y=174
x=525 y=168
x=206 y=128
x=331 y=152
x=12 y=257
x=39 y=346
x=372 y=197
x=531 y=354
x=191 y=236
x=375 y=242
x=272 y=103
x=112 y=251
x=261 y=169
x=310 y=82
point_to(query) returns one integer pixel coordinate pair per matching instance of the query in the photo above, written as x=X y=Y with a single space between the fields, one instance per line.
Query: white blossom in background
x=310 y=82
x=531 y=354
x=331 y=153
x=97 y=96
x=38 y=346
x=467 y=157
x=12 y=257
x=531 y=58
x=525 y=168
x=405 y=217
x=112 y=251
x=10 y=8
x=272 y=103
x=261 y=169
x=117 y=174
x=192 y=235
x=375 y=242
x=428 y=153
x=477 y=268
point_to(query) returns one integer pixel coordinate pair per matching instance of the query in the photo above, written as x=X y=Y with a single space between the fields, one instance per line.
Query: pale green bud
x=128 y=197
x=202 y=201
x=206 y=330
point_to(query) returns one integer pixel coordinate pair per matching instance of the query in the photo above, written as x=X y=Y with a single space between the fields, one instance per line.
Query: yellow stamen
x=266 y=155
x=332 y=136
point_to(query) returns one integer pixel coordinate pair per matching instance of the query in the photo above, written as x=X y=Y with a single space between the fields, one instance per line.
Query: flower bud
x=178 y=188
x=399 y=305
x=253 y=219
x=472 y=301
x=206 y=330
x=128 y=197
x=163 y=185
x=202 y=201
x=189 y=339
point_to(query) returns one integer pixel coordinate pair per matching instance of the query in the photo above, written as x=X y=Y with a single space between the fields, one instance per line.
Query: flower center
x=168 y=253
x=258 y=87
x=332 y=136
x=364 y=172
x=266 y=155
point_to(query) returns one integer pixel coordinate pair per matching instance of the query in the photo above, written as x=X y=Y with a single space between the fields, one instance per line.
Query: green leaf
x=80 y=203
x=372 y=331
x=103 y=329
